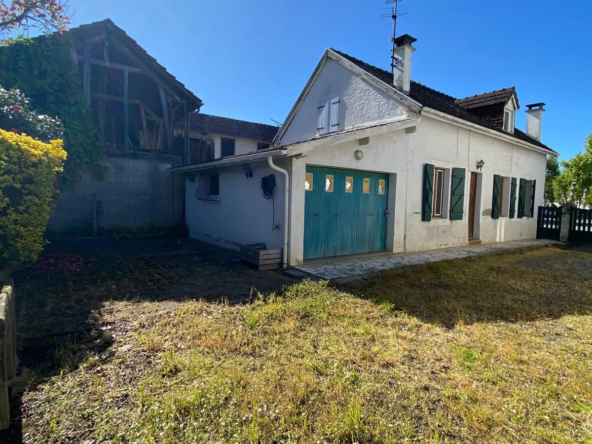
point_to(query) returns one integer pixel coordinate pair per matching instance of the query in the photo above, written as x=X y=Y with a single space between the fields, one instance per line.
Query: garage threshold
x=351 y=267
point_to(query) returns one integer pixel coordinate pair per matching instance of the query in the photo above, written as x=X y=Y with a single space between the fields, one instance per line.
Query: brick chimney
x=534 y=120
x=402 y=62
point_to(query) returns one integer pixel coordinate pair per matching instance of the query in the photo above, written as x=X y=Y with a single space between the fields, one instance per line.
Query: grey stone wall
x=136 y=192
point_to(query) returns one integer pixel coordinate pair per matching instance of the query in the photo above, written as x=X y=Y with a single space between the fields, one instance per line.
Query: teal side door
x=345 y=212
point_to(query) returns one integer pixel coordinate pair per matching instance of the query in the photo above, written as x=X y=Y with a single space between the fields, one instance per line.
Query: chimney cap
x=405 y=39
x=536 y=105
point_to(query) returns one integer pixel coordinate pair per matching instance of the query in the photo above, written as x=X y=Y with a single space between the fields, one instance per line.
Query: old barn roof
x=96 y=29
x=225 y=126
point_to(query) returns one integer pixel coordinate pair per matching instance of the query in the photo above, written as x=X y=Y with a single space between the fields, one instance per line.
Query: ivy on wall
x=44 y=69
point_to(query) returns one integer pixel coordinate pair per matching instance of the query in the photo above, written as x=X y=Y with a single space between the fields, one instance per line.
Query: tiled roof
x=439 y=101
x=90 y=30
x=224 y=126
x=490 y=98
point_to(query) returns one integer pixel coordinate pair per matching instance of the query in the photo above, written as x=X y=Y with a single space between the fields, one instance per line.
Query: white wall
x=403 y=156
x=361 y=104
x=445 y=145
x=242 y=215
x=386 y=153
x=241 y=146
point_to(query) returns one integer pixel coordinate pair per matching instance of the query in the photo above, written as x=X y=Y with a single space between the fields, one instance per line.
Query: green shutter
x=428 y=192
x=521 y=198
x=458 y=194
x=513 y=198
x=533 y=200
x=495 y=205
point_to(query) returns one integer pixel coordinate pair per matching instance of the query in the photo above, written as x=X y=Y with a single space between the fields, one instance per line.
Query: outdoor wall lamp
x=480 y=165
x=248 y=171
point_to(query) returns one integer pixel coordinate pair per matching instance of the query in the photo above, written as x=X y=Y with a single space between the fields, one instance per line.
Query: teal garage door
x=345 y=212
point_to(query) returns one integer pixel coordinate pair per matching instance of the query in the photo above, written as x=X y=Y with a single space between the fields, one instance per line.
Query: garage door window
x=308 y=182
x=329 y=183
x=381 y=186
x=366 y=188
x=349 y=184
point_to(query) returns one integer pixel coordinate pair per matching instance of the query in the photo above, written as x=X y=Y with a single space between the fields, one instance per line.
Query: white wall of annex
x=241 y=146
x=361 y=104
x=242 y=215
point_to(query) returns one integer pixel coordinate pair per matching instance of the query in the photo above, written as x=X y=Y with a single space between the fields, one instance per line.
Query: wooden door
x=472 y=199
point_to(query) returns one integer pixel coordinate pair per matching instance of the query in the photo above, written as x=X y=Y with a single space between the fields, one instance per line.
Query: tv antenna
x=394 y=12
x=279 y=124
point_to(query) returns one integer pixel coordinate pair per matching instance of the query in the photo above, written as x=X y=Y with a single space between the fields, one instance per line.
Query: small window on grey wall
x=228 y=147
x=262 y=145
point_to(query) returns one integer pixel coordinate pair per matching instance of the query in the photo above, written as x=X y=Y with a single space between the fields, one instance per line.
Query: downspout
x=286 y=199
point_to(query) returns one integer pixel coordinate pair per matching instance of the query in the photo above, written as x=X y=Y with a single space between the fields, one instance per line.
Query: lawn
x=494 y=349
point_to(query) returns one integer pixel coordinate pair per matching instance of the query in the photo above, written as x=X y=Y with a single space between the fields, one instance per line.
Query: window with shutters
x=505 y=194
x=328 y=118
x=529 y=198
x=322 y=115
x=441 y=195
x=437 y=194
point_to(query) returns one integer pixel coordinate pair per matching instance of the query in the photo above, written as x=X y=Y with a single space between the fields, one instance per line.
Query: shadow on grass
x=61 y=296
x=520 y=286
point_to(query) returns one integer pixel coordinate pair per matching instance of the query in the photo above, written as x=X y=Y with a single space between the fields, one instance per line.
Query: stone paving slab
x=338 y=268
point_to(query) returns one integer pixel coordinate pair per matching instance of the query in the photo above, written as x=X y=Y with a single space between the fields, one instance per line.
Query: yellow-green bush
x=28 y=169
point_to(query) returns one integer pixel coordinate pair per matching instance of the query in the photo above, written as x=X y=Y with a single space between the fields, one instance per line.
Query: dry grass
x=489 y=350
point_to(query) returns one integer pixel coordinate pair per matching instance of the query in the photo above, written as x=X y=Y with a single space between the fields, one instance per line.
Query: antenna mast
x=394 y=13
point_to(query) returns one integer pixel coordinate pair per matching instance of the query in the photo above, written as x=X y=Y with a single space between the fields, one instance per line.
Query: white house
x=370 y=161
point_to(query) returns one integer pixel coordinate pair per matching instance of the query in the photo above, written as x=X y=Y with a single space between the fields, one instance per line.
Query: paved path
x=349 y=266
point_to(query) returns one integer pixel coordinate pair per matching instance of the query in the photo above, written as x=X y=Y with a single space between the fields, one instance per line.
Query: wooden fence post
x=7 y=350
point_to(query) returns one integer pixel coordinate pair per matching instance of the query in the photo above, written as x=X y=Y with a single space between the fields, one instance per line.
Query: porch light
x=480 y=164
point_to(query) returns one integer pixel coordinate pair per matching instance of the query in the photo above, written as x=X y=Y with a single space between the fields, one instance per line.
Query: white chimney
x=534 y=120
x=402 y=62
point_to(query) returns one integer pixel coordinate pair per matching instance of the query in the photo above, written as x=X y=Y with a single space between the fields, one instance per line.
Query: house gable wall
x=361 y=104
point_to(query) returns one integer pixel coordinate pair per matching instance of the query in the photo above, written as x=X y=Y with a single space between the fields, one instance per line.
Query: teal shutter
x=428 y=192
x=458 y=194
x=532 y=199
x=513 y=198
x=521 y=198
x=495 y=205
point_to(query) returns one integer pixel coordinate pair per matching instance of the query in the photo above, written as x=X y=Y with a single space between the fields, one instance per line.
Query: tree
x=552 y=172
x=45 y=15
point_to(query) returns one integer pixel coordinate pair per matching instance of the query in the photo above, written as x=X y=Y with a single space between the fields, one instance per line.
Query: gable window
x=262 y=145
x=509 y=121
x=228 y=147
x=328 y=116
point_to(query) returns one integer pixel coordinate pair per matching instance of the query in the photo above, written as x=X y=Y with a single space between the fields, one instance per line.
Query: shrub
x=16 y=116
x=28 y=170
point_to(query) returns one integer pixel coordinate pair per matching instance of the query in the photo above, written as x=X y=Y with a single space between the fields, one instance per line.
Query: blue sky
x=250 y=59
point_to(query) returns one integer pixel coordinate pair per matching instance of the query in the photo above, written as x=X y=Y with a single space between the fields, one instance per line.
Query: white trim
x=347 y=136
x=254 y=157
x=438 y=115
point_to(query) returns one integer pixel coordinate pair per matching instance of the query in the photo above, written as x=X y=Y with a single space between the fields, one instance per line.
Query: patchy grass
x=488 y=350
